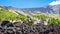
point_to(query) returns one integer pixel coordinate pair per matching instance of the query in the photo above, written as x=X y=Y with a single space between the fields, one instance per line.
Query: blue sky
x=25 y=3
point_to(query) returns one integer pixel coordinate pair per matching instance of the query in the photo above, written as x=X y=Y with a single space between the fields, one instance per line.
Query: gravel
x=27 y=28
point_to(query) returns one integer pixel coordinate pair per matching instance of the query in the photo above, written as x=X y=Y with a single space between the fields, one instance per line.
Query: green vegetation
x=40 y=16
x=51 y=20
x=5 y=14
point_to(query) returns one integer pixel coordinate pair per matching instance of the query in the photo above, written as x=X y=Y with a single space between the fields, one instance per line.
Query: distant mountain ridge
x=55 y=9
x=47 y=9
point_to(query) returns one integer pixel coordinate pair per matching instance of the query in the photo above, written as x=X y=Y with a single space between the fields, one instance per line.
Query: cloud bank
x=55 y=2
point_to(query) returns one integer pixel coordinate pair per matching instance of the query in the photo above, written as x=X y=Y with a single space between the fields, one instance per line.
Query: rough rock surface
x=27 y=28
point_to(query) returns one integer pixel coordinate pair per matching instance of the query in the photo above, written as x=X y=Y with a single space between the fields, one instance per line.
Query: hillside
x=55 y=9
x=29 y=14
x=5 y=14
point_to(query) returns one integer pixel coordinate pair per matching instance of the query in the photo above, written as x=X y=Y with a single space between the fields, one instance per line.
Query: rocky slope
x=28 y=28
x=55 y=9
x=46 y=9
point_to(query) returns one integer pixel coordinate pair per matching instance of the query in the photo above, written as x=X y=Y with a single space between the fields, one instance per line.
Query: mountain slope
x=26 y=14
x=55 y=9
x=47 y=9
x=5 y=14
x=17 y=10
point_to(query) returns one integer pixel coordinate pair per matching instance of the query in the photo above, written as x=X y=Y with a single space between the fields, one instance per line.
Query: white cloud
x=55 y=2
